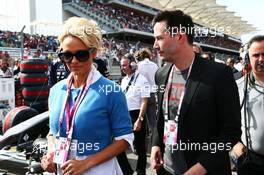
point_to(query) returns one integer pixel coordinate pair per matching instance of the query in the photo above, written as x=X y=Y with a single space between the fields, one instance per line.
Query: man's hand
x=47 y=163
x=196 y=169
x=156 y=158
x=137 y=125
x=238 y=149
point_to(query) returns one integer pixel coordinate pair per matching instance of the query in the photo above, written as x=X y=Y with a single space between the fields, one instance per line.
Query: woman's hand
x=74 y=167
x=47 y=163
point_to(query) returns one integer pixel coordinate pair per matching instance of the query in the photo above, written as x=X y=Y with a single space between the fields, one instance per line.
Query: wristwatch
x=141 y=118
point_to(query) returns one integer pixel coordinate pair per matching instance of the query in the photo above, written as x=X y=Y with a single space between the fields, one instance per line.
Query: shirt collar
x=97 y=76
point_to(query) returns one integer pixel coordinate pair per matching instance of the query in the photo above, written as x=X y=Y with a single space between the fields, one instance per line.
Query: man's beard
x=4 y=69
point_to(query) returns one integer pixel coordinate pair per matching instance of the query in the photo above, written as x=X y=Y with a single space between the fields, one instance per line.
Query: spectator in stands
x=84 y=114
x=208 y=56
x=148 y=69
x=249 y=154
x=197 y=48
x=198 y=103
x=136 y=88
x=5 y=71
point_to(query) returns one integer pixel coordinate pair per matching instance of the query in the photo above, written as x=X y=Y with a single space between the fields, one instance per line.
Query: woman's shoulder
x=59 y=85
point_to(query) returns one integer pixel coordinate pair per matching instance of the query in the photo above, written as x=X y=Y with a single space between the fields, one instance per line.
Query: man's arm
x=142 y=112
x=228 y=119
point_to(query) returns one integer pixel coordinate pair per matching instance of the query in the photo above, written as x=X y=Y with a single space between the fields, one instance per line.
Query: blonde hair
x=86 y=30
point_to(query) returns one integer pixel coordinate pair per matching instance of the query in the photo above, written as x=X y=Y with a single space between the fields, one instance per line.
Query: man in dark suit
x=198 y=104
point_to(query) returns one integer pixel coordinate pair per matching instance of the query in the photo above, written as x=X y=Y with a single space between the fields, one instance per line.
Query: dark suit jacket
x=210 y=114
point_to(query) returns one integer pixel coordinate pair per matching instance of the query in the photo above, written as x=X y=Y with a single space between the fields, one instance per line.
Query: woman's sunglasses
x=80 y=55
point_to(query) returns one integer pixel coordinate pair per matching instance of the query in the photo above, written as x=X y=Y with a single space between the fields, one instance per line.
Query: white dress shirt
x=148 y=69
x=138 y=89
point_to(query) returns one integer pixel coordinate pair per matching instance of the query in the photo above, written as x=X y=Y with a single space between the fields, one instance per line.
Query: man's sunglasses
x=80 y=55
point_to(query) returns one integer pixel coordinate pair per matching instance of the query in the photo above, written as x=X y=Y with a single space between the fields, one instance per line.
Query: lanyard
x=168 y=90
x=131 y=81
x=70 y=114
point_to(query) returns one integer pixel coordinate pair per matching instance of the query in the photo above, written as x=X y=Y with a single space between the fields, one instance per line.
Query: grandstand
x=127 y=26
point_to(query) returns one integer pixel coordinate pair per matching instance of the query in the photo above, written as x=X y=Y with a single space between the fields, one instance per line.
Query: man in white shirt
x=136 y=88
x=148 y=69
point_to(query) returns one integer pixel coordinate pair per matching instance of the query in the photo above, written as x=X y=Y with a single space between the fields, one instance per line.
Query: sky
x=250 y=10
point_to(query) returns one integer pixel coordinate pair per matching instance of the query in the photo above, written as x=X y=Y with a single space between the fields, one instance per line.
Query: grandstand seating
x=13 y=39
x=82 y=11
x=111 y=19
x=124 y=20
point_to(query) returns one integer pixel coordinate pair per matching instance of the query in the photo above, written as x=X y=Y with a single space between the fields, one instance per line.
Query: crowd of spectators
x=120 y=17
x=131 y=20
x=13 y=39
x=112 y=48
x=219 y=41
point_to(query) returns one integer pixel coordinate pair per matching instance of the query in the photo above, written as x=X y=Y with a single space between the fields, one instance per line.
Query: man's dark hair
x=257 y=38
x=177 y=19
x=130 y=57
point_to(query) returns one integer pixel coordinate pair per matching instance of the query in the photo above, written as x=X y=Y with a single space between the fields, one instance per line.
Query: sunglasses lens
x=82 y=55
x=65 y=56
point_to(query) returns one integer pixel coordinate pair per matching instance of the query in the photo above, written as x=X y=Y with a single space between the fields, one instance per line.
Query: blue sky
x=250 y=10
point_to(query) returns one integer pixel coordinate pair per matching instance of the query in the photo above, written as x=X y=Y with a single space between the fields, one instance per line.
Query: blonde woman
x=86 y=109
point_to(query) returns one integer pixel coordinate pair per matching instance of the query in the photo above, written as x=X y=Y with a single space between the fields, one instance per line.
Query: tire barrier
x=34 y=82
x=17 y=115
x=33 y=79
x=33 y=66
x=35 y=93
x=40 y=105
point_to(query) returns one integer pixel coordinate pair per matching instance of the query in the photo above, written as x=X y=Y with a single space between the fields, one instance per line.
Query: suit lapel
x=191 y=86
